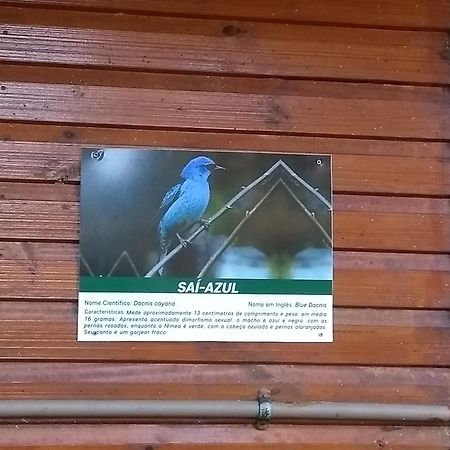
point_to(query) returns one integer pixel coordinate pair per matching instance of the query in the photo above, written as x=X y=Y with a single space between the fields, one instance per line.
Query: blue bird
x=184 y=204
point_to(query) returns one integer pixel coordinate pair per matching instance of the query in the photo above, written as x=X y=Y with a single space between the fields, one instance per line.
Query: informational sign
x=194 y=245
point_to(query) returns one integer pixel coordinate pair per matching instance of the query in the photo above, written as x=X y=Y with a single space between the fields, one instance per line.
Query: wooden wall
x=366 y=81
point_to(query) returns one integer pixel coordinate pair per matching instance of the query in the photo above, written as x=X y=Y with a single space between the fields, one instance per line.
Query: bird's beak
x=217 y=167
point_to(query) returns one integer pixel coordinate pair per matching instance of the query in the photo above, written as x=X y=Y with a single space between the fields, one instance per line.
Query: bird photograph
x=152 y=212
x=184 y=204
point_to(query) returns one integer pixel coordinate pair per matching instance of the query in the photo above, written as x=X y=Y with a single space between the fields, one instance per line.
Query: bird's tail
x=163 y=251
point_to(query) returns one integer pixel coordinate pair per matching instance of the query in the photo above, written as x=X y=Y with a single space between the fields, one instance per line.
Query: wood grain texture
x=425 y=14
x=49 y=272
x=216 y=46
x=41 y=135
x=254 y=104
x=417 y=434
x=360 y=222
x=222 y=437
x=414 y=434
x=52 y=153
x=47 y=331
x=231 y=75
x=334 y=446
x=224 y=382
x=315 y=108
x=77 y=447
x=418 y=174
x=80 y=76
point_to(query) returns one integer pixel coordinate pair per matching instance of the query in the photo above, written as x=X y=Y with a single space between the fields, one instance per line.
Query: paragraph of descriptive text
x=204 y=317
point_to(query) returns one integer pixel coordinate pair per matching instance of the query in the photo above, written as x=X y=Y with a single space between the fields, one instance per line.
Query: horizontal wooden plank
x=313 y=108
x=93 y=447
x=42 y=135
x=343 y=104
x=413 y=434
x=221 y=437
x=426 y=14
x=88 y=76
x=75 y=447
x=333 y=446
x=53 y=192
x=47 y=331
x=360 y=222
x=49 y=272
x=178 y=446
x=352 y=172
x=218 y=46
x=223 y=382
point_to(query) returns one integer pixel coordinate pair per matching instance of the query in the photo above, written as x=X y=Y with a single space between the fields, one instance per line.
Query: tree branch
x=309 y=214
x=236 y=230
x=313 y=191
x=86 y=265
x=125 y=255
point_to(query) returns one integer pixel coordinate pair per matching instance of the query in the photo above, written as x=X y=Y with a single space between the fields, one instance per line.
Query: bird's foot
x=183 y=242
x=206 y=223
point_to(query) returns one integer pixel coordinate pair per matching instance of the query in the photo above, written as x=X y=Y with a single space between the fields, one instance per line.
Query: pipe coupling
x=264 y=409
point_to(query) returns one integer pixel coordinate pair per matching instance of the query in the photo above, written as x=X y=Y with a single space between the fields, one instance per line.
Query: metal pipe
x=178 y=409
x=220 y=409
x=361 y=412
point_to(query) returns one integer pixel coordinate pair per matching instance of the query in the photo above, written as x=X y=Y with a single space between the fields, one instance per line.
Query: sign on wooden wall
x=205 y=246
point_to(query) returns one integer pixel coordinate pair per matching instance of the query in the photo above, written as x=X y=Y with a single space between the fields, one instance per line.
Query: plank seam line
x=219 y=74
x=205 y=365
x=212 y=361
x=224 y=18
x=392 y=194
x=42 y=240
x=236 y=130
x=395 y=251
x=48 y=181
x=75 y=182
x=338 y=250
x=335 y=248
x=5 y=139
